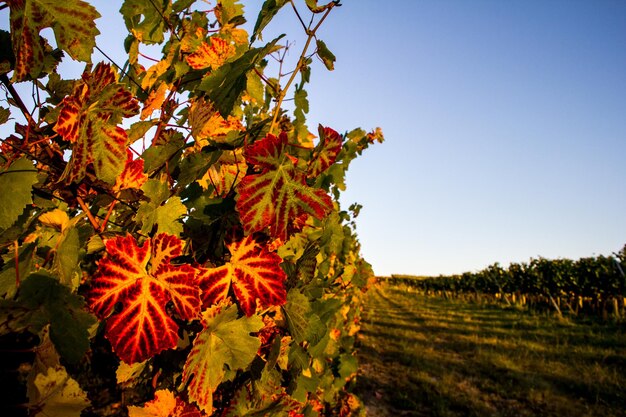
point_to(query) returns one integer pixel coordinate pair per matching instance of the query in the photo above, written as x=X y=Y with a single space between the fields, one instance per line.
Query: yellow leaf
x=154 y=101
x=154 y=72
x=163 y=405
x=56 y=218
x=55 y=394
x=127 y=373
x=225 y=174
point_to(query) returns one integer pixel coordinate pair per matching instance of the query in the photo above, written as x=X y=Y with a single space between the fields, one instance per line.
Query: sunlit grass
x=436 y=357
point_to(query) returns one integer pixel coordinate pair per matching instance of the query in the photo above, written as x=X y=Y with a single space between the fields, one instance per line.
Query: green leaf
x=224 y=85
x=301 y=100
x=138 y=130
x=72 y=22
x=305 y=385
x=8 y=276
x=267 y=13
x=4 y=115
x=66 y=258
x=303 y=324
x=325 y=55
x=53 y=303
x=17 y=182
x=165 y=214
x=348 y=365
x=156 y=156
x=313 y=6
x=222 y=348
x=180 y=5
x=144 y=19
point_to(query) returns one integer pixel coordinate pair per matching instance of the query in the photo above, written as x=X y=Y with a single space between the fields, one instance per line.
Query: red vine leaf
x=253 y=272
x=89 y=118
x=279 y=193
x=71 y=20
x=132 y=176
x=140 y=281
x=164 y=404
x=325 y=153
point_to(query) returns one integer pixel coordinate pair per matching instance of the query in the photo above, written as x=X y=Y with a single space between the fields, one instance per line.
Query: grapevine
x=174 y=243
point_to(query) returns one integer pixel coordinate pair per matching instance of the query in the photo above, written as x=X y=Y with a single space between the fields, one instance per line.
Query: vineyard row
x=588 y=286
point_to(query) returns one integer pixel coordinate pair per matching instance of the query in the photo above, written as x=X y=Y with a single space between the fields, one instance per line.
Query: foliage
x=172 y=236
x=590 y=286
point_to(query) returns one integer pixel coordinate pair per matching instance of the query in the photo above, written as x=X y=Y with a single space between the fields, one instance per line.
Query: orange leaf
x=131 y=288
x=133 y=175
x=254 y=273
x=211 y=55
x=154 y=101
x=164 y=404
x=207 y=123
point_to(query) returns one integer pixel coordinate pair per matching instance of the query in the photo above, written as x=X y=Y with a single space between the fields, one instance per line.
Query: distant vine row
x=590 y=286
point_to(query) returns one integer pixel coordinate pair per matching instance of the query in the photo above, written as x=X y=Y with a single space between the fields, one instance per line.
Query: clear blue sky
x=505 y=125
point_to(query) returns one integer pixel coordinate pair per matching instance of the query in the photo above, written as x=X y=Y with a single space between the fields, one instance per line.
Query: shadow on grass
x=426 y=356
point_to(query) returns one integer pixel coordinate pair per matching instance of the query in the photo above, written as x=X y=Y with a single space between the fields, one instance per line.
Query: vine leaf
x=71 y=20
x=142 y=281
x=132 y=176
x=59 y=233
x=327 y=57
x=47 y=301
x=253 y=272
x=303 y=323
x=164 y=404
x=16 y=181
x=89 y=118
x=278 y=197
x=225 y=174
x=54 y=394
x=265 y=397
x=162 y=210
x=208 y=124
x=211 y=54
x=145 y=19
x=325 y=153
x=225 y=84
x=268 y=11
x=4 y=115
x=220 y=349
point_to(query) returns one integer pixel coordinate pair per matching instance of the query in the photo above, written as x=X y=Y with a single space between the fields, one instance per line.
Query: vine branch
x=301 y=60
x=18 y=100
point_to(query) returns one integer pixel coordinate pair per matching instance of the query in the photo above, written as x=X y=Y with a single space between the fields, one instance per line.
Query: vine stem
x=109 y=212
x=283 y=92
x=94 y=222
x=17 y=264
x=18 y=100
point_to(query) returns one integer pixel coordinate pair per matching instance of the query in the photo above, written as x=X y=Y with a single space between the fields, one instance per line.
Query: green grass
x=426 y=356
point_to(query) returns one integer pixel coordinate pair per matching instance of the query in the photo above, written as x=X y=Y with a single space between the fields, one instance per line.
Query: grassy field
x=423 y=356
